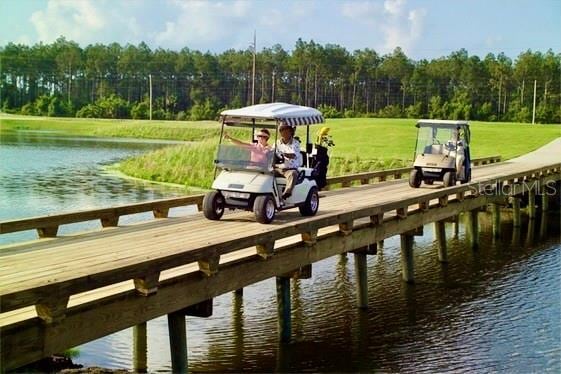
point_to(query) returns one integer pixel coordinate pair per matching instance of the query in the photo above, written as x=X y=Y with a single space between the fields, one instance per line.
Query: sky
x=422 y=28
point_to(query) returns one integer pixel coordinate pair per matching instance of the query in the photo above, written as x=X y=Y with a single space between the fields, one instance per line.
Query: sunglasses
x=262 y=136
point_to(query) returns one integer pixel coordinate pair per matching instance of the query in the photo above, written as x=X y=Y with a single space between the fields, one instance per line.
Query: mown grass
x=168 y=130
x=361 y=144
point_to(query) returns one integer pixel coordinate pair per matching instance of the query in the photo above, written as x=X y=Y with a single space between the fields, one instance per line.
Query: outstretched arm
x=234 y=140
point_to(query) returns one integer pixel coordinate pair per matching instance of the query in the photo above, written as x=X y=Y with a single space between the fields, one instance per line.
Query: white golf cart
x=442 y=153
x=247 y=179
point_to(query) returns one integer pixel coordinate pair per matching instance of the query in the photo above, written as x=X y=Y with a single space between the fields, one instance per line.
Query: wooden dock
x=60 y=292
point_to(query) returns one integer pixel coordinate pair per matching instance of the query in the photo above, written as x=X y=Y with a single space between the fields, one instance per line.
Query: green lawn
x=169 y=130
x=361 y=144
x=395 y=138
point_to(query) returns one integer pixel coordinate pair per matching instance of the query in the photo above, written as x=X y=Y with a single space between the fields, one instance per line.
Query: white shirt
x=293 y=146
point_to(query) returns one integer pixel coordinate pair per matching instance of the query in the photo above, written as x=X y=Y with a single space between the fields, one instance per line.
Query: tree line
x=113 y=81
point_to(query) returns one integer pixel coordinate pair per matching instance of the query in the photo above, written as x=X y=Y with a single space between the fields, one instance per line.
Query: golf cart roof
x=441 y=123
x=292 y=115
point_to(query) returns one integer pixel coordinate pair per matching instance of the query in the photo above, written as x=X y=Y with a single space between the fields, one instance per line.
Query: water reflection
x=483 y=311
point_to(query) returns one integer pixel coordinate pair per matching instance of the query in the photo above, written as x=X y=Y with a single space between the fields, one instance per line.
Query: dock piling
x=472 y=230
x=440 y=233
x=496 y=209
x=545 y=199
x=407 y=265
x=178 y=341
x=283 y=309
x=361 y=275
x=531 y=204
x=516 y=219
x=140 y=351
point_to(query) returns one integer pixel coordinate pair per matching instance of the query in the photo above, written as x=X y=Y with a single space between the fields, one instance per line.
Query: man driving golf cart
x=244 y=183
x=442 y=153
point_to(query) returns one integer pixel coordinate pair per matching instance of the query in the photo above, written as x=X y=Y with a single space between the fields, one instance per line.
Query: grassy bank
x=362 y=144
x=168 y=130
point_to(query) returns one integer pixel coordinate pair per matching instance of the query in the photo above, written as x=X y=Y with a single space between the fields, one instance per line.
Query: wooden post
x=440 y=233
x=496 y=220
x=472 y=232
x=177 y=341
x=531 y=204
x=407 y=265
x=516 y=231
x=516 y=220
x=543 y=225
x=239 y=292
x=531 y=232
x=545 y=199
x=361 y=275
x=456 y=224
x=140 y=354
x=283 y=309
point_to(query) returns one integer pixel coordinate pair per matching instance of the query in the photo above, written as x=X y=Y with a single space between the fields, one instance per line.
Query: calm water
x=43 y=173
x=495 y=309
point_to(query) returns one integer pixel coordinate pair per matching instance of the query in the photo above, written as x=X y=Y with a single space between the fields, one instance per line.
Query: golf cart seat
x=299 y=179
x=435 y=149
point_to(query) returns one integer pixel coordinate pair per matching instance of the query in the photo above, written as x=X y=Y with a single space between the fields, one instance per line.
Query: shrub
x=485 y=112
x=113 y=106
x=202 y=111
x=89 y=111
x=182 y=116
x=414 y=111
x=42 y=105
x=29 y=109
x=329 y=111
x=58 y=108
x=390 y=111
x=141 y=110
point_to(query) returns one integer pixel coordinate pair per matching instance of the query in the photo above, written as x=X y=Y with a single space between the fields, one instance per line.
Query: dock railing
x=47 y=226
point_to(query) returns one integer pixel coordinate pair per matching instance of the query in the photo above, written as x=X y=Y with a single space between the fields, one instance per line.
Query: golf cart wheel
x=449 y=179
x=311 y=205
x=415 y=178
x=213 y=205
x=264 y=209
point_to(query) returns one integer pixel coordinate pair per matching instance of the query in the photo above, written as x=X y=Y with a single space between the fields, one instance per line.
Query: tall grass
x=189 y=165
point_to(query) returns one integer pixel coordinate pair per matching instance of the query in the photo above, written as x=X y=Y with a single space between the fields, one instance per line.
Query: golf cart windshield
x=244 y=157
x=431 y=139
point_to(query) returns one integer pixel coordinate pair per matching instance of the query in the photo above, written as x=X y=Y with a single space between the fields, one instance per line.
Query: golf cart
x=247 y=179
x=442 y=153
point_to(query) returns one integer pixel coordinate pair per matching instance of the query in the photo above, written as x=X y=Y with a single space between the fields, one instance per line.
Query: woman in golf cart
x=288 y=150
x=258 y=150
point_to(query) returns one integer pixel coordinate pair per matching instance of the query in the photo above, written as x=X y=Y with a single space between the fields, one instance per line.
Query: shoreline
x=113 y=170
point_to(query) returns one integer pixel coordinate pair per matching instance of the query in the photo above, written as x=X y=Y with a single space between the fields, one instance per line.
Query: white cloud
x=394 y=7
x=200 y=22
x=399 y=26
x=78 y=20
x=363 y=11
